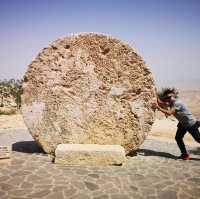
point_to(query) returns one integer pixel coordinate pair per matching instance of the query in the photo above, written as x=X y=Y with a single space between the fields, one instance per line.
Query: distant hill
x=193 y=84
x=192 y=100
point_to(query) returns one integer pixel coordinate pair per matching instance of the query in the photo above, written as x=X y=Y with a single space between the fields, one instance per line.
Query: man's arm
x=167 y=111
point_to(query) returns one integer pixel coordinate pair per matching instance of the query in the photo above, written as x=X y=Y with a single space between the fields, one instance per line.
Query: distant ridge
x=193 y=84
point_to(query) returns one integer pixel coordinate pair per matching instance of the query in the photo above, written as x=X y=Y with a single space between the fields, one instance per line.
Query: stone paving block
x=142 y=177
x=89 y=154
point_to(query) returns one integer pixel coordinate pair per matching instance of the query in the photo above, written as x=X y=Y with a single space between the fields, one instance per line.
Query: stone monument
x=88 y=88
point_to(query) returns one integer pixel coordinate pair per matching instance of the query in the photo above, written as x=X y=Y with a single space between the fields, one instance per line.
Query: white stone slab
x=89 y=154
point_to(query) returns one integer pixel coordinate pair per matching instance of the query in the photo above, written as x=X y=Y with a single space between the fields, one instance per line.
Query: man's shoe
x=184 y=156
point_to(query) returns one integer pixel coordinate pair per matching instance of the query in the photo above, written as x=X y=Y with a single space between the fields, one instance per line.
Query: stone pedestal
x=89 y=154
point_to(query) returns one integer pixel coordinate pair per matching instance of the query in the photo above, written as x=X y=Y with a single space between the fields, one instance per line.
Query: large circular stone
x=88 y=88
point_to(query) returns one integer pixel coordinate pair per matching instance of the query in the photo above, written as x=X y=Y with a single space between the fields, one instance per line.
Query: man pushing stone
x=169 y=103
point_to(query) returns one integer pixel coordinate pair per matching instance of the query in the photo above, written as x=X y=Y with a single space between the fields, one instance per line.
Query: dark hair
x=167 y=93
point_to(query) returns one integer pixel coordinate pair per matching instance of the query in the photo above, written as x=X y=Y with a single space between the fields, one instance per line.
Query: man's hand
x=155 y=104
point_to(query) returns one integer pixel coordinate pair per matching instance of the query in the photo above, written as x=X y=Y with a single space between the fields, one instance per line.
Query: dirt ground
x=11 y=122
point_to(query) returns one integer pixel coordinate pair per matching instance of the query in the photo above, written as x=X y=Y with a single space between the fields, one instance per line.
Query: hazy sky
x=165 y=32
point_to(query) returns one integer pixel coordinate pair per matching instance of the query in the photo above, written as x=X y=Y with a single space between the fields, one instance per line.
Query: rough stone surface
x=89 y=154
x=88 y=88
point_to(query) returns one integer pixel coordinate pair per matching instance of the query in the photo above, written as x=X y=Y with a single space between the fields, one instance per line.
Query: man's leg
x=179 y=138
x=198 y=124
x=194 y=131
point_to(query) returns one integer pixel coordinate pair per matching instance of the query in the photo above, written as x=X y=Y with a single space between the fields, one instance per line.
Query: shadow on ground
x=27 y=147
x=147 y=152
x=195 y=151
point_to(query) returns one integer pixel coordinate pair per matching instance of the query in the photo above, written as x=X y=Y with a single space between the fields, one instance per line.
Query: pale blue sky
x=165 y=32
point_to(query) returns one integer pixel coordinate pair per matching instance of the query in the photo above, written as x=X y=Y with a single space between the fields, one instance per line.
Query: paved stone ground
x=153 y=172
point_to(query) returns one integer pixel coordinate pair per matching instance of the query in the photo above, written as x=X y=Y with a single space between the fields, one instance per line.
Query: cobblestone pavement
x=154 y=172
